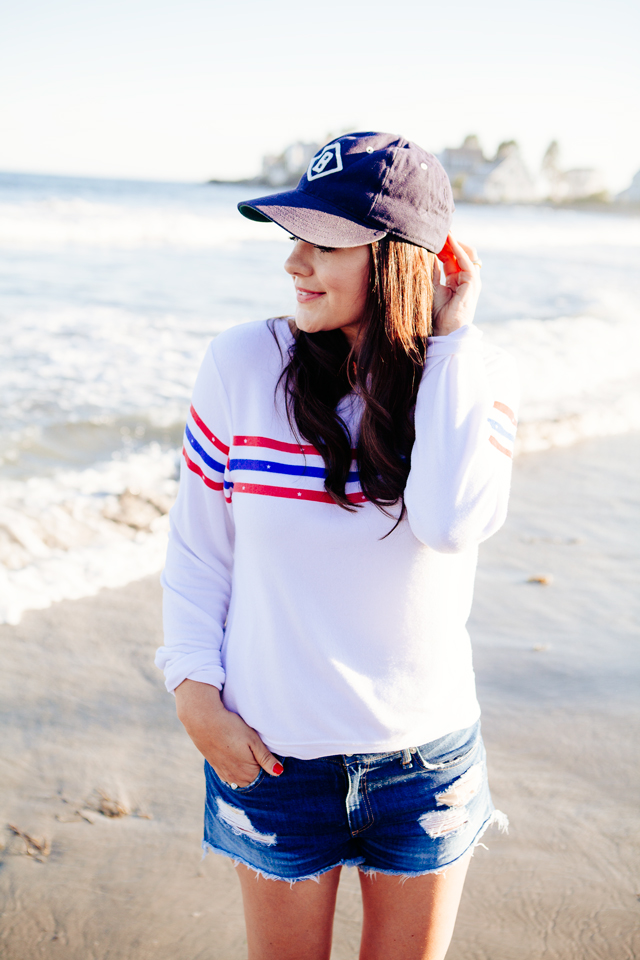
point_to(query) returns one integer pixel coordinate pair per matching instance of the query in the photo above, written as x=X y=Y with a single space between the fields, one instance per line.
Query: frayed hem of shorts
x=497 y=817
x=500 y=819
x=209 y=848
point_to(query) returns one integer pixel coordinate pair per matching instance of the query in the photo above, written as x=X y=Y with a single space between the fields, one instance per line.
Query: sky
x=197 y=89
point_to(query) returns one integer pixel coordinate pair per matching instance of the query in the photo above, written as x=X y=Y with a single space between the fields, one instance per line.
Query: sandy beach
x=88 y=732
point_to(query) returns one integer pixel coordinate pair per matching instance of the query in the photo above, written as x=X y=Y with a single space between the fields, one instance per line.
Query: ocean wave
x=70 y=535
x=88 y=363
x=580 y=377
x=46 y=224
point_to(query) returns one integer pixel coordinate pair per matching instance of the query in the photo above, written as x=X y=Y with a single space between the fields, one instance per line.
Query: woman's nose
x=298 y=262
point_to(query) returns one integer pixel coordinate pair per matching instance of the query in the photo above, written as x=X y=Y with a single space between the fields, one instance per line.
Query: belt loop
x=406 y=757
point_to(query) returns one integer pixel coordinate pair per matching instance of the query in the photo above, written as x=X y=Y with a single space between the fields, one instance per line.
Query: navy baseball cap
x=360 y=188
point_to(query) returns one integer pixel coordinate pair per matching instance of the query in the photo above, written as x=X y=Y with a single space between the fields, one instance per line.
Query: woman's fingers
x=238 y=760
x=243 y=771
x=462 y=281
x=457 y=258
x=446 y=254
x=266 y=760
x=232 y=747
x=448 y=259
x=242 y=774
x=458 y=265
x=464 y=255
x=471 y=252
x=241 y=764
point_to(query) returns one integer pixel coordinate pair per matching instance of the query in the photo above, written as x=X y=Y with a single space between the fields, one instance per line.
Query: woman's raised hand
x=234 y=749
x=454 y=303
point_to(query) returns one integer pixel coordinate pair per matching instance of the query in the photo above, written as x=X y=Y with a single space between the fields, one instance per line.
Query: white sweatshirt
x=325 y=636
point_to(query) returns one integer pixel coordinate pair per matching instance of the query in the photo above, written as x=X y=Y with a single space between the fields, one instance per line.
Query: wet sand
x=85 y=721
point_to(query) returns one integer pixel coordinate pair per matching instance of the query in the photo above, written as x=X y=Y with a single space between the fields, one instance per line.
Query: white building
x=460 y=162
x=475 y=178
x=505 y=179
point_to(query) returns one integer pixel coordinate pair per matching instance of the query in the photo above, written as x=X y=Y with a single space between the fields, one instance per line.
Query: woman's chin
x=307 y=323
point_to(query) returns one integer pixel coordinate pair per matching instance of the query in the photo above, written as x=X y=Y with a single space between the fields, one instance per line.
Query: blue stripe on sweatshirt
x=501 y=430
x=210 y=462
x=294 y=470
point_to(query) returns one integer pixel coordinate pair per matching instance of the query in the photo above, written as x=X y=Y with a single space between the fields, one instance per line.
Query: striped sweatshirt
x=324 y=634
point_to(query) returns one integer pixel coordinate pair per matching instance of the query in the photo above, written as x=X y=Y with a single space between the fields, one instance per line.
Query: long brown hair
x=384 y=367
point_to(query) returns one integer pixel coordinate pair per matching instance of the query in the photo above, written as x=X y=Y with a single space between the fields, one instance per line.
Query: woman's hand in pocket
x=234 y=749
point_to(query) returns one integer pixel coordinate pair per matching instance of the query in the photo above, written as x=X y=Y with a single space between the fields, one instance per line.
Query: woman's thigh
x=410 y=919
x=404 y=919
x=289 y=921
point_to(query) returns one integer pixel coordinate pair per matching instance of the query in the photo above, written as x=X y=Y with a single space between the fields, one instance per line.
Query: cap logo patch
x=329 y=160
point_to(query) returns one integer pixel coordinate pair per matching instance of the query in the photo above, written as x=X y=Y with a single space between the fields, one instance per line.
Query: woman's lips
x=306 y=296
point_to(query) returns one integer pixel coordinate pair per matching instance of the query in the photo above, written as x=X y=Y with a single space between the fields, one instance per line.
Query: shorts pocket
x=209 y=771
x=451 y=750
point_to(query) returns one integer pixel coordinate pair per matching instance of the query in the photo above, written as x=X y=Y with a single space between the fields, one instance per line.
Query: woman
x=339 y=473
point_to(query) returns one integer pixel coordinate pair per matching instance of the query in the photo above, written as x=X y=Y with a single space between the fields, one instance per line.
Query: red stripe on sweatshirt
x=270 y=444
x=205 y=429
x=275 y=445
x=499 y=447
x=503 y=408
x=196 y=469
x=293 y=493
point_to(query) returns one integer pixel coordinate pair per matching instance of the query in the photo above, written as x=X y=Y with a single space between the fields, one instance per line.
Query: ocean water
x=111 y=290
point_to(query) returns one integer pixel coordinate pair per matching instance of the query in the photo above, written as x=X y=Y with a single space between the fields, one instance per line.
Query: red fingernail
x=278 y=769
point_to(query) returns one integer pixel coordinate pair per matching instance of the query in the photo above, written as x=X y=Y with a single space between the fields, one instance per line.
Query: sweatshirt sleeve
x=197 y=575
x=465 y=420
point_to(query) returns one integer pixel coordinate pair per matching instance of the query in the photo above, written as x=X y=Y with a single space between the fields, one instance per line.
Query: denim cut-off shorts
x=408 y=813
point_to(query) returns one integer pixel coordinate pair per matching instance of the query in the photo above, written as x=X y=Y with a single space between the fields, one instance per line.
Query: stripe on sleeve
x=501 y=430
x=198 y=470
x=208 y=434
x=503 y=408
x=210 y=462
x=499 y=447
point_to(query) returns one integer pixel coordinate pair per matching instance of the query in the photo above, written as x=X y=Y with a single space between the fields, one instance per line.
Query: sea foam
x=70 y=535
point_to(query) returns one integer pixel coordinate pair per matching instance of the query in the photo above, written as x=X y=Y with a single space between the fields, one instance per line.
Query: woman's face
x=331 y=286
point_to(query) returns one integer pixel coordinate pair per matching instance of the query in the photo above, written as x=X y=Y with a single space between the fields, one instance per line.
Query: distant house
x=475 y=178
x=564 y=186
x=504 y=179
x=632 y=193
x=460 y=162
x=285 y=169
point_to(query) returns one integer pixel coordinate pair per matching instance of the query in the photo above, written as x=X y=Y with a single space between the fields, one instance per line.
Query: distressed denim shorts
x=408 y=813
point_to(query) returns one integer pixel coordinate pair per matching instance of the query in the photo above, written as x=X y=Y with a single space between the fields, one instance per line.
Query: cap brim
x=310 y=219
